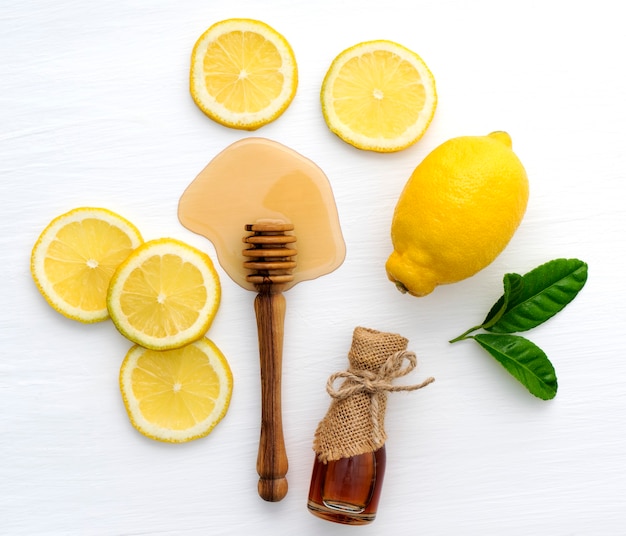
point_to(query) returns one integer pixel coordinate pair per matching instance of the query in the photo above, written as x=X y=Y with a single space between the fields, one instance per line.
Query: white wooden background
x=95 y=110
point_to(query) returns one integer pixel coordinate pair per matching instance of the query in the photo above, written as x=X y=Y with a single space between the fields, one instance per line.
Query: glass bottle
x=348 y=490
x=349 y=465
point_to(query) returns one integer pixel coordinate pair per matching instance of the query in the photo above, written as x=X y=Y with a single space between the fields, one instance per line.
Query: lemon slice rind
x=379 y=143
x=208 y=103
x=41 y=253
x=176 y=337
x=206 y=423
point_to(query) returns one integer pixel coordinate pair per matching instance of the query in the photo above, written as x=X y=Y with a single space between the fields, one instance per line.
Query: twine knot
x=366 y=381
x=372 y=384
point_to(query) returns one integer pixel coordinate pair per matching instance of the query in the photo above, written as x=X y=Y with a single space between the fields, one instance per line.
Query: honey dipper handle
x=272 y=461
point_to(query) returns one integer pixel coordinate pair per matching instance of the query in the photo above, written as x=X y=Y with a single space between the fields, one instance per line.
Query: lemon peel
x=75 y=257
x=164 y=295
x=378 y=96
x=176 y=395
x=457 y=212
x=243 y=73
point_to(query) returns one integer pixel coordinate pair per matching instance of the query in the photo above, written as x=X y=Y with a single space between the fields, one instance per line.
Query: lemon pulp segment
x=75 y=257
x=176 y=395
x=378 y=95
x=239 y=80
x=243 y=73
x=165 y=295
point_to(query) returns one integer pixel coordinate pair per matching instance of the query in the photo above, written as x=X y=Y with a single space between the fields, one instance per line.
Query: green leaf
x=512 y=287
x=542 y=293
x=523 y=360
x=513 y=284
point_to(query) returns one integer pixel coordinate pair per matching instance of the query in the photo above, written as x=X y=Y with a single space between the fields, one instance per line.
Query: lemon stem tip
x=400 y=286
x=502 y=137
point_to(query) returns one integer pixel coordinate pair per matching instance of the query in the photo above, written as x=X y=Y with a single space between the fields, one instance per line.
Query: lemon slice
x=75 y=256
x=164 y=295
x=243 y=73
x=176 y=395
x=378 y=96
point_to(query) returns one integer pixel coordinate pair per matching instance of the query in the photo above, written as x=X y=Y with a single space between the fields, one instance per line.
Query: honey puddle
x=259 y=179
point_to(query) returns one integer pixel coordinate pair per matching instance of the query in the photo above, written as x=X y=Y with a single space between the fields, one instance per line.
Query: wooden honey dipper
x=271 y=262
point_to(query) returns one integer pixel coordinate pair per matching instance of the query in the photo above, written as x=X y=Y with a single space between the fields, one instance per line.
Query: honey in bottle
x=349 y=444
x=347 y=490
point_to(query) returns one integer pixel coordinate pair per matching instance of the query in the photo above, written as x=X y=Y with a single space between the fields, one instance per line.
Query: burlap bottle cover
x=355 y=421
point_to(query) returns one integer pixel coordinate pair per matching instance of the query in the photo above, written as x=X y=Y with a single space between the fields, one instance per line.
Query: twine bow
x=375 y=383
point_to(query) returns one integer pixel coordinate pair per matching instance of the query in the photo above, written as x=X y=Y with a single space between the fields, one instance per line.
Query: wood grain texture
x=272 y=463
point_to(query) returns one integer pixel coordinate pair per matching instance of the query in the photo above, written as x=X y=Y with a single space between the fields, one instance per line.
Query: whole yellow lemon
x=457 y=212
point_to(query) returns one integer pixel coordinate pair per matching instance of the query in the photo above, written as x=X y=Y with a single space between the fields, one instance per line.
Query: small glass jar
x=349 y=444
x=348 y=490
